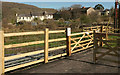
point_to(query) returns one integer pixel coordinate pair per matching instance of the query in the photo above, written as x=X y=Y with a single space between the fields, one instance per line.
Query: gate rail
x=78 y=41
x=110 y=45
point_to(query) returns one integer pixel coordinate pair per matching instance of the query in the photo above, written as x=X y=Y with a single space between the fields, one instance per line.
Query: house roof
x=83 y=9
x=35 y=14
x=107 y=10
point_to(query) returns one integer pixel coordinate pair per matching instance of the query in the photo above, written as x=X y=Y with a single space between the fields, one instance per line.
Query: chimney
x=16 y=14
x=70 y=9
x=44 y=13
x=30 y=13
x=83 y=7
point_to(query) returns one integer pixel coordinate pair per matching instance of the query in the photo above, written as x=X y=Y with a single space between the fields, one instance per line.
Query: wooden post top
x=68 y=31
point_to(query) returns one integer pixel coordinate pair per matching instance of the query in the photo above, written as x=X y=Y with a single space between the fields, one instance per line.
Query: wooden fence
x=74 y=42
x=78 y=41
x=104 y=47
x=46 y=49
x=107 y=29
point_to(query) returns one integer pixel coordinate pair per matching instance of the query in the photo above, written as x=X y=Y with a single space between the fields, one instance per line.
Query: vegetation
x=62 y=19
x=10 y=9
x=99 y=7
x=66 y=17
x=30 y=38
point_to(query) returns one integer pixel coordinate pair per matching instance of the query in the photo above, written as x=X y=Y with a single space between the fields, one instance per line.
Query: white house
x=103 y=12
x=31 y=16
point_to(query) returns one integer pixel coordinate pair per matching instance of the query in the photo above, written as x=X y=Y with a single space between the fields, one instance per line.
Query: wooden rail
x=79 y=42
x=45 y=51
x=99 y=37
x=75 y=42
x=106 y=29
x=30 y=33
x=85 y=44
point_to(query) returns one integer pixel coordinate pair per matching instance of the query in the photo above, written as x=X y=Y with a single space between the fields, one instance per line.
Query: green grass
x=31 y=38
x=111 y=43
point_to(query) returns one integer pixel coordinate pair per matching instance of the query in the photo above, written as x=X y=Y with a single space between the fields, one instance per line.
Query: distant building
x=89 y=10
x=31 y=16
x=84 y=10
x=106 y=12
x=103 y=12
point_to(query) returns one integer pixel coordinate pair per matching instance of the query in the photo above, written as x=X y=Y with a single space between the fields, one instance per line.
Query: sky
x=59 y=0
x=58 y=5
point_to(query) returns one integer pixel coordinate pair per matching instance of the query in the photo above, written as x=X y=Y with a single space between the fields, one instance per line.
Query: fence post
x=107 y=33
x=1 y=53
x=46 y=33
x=95 y=47
x=91 y=28
x=68 y=37
x=101 y=30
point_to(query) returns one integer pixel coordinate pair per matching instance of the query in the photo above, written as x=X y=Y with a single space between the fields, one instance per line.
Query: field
x=30 y=38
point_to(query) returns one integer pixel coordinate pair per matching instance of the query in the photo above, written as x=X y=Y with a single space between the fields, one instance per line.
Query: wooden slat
x=85 y=41
x=107 y=54
x=32 y=43
x=92 y=27
x=34 y=62
x=23 y=65
x=23 y=55
x=56 y=56
x=83 y=45
x=31 y=33
x=56 y=48
x=102 y=55
x=57 y=31
x=58 y=39
x=114 y=34
x=80 y=37
x=80 y=33
x=23 y=33
x=32 y=53
x=78 y=41
x=82 y=49
x=11 y=62
x=23 y=44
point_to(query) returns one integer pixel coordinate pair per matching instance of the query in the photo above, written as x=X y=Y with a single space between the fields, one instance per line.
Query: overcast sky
x=59 y=0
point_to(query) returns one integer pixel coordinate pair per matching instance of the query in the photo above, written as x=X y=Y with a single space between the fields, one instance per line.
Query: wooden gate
x=79 y=41
x=110 y=47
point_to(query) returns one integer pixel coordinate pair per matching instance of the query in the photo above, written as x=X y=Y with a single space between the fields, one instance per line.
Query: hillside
x=9 y=9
